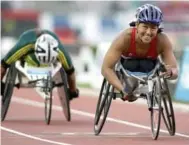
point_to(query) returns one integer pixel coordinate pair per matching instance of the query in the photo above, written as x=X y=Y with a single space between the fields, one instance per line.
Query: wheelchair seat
x=139 y=74
x=124 y=65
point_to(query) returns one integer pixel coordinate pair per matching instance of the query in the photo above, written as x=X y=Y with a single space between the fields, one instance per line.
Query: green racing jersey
x=24 y=49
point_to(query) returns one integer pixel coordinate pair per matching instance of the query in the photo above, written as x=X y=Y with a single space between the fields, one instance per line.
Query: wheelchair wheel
x=48 y=100
x=64 y=96
x=103 y=106
x=156 y=109
x=168 y=112
x=8 y=90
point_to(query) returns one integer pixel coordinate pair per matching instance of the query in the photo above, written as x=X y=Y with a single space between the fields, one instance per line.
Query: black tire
x=8 y=90
x=156 y=108
x=103 y=106
x=48 y=100
x=168 y=111
x=64 y=95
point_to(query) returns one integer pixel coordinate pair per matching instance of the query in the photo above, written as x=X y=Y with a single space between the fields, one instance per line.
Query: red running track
x=25 y=124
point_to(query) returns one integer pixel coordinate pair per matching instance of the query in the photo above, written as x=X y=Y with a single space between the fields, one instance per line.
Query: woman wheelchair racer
x=139 y=47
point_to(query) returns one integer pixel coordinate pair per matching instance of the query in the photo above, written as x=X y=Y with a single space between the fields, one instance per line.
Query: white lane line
x=125 y=122
x=39 y=104
x=32 y=137
x=110 y=134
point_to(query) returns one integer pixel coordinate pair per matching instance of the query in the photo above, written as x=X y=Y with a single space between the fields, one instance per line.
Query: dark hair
x=133 y=24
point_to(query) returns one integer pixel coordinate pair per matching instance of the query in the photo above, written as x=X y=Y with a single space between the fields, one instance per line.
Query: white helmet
x=46 y=49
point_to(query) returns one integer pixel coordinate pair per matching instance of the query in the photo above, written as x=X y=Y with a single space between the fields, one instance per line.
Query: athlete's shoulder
x=129 y=30
x=162 y=38
x=126 y=35
x=163 y=42
x=122 y=41
x=126 y=32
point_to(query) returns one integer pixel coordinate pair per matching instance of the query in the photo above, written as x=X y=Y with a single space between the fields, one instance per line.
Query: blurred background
x=88 y=28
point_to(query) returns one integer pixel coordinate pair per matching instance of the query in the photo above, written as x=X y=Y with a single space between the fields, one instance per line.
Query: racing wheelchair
x=44 y=79
x=151 y=86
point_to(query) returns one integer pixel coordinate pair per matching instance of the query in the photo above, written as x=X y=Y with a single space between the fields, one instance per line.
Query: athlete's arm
x=168 y=56
x=66 y=61
x=23 y=45
x=111 y=58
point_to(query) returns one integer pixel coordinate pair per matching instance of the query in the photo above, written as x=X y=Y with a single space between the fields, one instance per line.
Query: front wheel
x=48 y=100
x=156 y=109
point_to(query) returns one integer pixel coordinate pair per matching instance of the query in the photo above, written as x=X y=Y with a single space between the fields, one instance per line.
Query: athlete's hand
x=124 y=93
x=168 y=72
x=73 y=94
x=128 y=96
x=171 y=72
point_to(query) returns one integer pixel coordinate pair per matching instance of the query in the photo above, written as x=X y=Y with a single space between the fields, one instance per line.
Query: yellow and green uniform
x=24 y=49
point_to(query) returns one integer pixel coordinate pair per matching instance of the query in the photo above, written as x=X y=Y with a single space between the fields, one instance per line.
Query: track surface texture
x=127 y=123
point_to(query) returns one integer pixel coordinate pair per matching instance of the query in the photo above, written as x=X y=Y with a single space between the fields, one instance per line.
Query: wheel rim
x=168 y=112
x=156 y=110
x=8 y=90
x=63 y=96
x=168 y=116
x=102 y=109
x=100 y=105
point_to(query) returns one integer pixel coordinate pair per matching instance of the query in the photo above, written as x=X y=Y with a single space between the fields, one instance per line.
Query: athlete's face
x=146 y=32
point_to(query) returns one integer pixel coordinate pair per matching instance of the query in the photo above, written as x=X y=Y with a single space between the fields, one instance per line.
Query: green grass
x=84 y=85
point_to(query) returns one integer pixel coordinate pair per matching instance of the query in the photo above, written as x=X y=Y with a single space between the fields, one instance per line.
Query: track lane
x=80 y=130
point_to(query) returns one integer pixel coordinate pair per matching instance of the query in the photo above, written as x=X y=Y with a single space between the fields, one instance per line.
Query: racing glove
x=73 y=94
x=128 y=95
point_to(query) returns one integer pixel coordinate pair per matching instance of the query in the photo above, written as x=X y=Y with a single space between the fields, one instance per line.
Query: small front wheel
x=48 y=100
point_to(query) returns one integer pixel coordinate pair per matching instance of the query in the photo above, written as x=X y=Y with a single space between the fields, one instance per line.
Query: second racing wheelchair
x=45 y=79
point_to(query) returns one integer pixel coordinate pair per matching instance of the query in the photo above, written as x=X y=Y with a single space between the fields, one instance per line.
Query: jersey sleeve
x=65 y=58
x=22 y=47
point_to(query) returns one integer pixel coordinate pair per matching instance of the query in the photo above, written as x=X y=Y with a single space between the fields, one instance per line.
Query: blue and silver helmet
x=150 y=14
